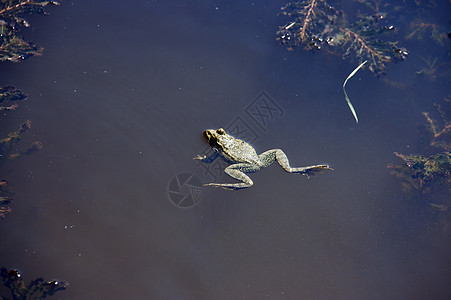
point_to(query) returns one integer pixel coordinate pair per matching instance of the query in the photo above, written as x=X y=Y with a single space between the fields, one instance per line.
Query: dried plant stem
x=308 y=17
x=437 y=133
x=363 y=47
x=14 y=6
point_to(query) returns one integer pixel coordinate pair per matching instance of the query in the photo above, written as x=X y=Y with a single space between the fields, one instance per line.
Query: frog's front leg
x=208 y=159
x=270 y=156
x=237 y=171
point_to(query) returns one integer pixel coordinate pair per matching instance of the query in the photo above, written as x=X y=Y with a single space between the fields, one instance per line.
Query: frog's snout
x=206 y=135
x=211 y=137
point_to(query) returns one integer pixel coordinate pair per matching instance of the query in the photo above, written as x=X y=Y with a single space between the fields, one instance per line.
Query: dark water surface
x=120 y=99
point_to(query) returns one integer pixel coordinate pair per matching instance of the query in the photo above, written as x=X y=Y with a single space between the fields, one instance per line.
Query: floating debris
x=346 y=95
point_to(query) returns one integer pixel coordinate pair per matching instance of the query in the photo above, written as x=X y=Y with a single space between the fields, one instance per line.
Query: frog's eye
x=220 y=131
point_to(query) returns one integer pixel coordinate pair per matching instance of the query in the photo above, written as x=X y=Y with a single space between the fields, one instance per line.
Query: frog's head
x=215 y=137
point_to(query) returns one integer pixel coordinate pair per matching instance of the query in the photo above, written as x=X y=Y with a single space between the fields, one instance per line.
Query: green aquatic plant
x=10 y=94
x=9 y=142
x=36 y=289
x=315 y=24
x=12 y=46
x=433 y=31
x=308 y=19
x=440 y=136
x=430 y=174
x=424 y=170
x=4 y=200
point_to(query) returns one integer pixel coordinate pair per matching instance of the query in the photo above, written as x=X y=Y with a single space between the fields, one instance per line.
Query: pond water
x=120 y=99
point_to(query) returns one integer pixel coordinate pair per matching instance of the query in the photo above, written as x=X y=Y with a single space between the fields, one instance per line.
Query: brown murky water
x=120 y=99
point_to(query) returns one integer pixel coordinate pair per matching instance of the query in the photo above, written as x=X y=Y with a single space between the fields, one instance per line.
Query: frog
x=244 y=159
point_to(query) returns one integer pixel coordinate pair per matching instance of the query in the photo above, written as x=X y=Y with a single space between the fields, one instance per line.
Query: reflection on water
x=120 y=99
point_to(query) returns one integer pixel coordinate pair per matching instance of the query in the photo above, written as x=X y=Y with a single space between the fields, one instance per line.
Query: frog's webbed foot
x=236 y=171
x=311 y=170
x=207 y=159
x=198 y=157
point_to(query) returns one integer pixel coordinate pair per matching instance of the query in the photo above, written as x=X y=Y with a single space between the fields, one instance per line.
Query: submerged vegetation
x=430 y=173
x=6 y=145
x=36 y=289
x=315 y=24
x=15 y=49
x=423 y=170
x=4 y=200
x=366 y=35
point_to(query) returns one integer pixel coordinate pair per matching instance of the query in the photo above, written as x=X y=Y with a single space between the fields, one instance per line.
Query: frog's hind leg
x=276 y=154
x=237 y=171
